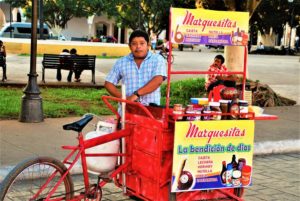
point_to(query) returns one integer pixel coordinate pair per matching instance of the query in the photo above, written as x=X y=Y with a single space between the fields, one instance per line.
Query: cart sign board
x=200 y=26
x=212 y=154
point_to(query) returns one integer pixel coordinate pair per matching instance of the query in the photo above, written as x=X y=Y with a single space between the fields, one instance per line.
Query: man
x=141 y=71
x=3 y=62
x=215 y=79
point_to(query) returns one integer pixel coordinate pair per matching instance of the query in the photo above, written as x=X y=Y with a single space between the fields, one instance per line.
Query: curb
x=260 y=148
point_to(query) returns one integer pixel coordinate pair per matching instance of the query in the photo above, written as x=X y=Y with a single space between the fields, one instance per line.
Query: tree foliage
x=59 y=12
x=140 y=14
x=275 y=14
x=150 y=15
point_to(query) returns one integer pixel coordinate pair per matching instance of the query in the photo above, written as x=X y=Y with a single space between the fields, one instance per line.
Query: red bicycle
x=46 y=178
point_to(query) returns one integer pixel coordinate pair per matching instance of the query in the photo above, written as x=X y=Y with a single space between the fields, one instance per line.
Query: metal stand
x=31 y=108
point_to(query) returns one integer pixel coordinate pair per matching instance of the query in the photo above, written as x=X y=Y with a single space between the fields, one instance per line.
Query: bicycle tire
x=26 y=178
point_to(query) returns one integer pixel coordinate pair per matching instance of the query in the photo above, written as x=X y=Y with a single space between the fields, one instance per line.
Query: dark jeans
x=4 y=72
x=58 y=75
x=77 y=73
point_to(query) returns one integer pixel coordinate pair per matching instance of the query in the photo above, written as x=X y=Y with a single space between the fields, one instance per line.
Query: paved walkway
x=276 y=176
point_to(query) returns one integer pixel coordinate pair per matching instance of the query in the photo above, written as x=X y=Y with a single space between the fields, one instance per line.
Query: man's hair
x=139 y=33
x=65 y=50
x=221 y=58
x=73 y=51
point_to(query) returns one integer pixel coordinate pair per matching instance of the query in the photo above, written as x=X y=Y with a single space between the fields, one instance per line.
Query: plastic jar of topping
x=190 y=111
x=243 y=106
x=206 y=112
x=197 y=116
x=215 y=108
x=178 y=110
x=234 y=109
x=224 y=105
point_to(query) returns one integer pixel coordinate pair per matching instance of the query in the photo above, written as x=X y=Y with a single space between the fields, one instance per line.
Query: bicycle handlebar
x=107 y=98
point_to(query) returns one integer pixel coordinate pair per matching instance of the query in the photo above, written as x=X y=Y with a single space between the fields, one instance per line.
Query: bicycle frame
x=79 y=152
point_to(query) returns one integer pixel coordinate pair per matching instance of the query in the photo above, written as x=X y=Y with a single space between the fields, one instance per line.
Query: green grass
x=64 y=102
x=57 y=102
x=98 y=57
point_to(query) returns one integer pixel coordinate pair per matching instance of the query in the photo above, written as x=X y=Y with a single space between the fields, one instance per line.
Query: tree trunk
x=234 y=58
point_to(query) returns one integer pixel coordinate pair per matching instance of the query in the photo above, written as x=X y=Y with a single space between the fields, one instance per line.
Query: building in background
x=76 y=29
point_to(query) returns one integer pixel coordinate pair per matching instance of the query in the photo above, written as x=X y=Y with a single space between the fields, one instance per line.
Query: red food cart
x=170 y=159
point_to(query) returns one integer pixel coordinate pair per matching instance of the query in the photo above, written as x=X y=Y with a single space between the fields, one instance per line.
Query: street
x=281 y=73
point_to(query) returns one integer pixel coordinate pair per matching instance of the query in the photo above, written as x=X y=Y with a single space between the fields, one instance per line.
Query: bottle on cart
x=234 y=109
x=234 y=163
x=223 y=172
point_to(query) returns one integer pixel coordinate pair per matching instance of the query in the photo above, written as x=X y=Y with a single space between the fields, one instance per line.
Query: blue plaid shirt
x=134 y=78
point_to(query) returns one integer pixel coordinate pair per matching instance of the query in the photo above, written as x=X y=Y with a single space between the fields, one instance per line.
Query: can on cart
x=178 y=110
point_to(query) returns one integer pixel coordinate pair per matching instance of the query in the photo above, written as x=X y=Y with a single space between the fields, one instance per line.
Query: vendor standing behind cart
x=141 y=71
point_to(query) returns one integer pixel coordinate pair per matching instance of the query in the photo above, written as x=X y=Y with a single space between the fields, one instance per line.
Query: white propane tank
x=103 y=164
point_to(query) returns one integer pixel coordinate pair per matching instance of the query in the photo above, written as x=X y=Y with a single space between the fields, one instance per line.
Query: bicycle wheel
x=27 y=178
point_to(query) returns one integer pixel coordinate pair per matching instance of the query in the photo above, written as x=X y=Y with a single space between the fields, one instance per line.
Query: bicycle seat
x=78 y=125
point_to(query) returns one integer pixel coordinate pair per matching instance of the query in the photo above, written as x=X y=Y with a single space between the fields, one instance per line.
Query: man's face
x=217 y=62
x=139 y=47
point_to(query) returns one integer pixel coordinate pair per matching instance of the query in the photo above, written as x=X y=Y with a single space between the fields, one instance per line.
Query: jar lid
x=224 y=101
x=214 y=104
x=202 y=101
x=243 y=102
x=194 y=100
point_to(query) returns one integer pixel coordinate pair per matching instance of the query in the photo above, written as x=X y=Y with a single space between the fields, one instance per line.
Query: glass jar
x=215 y=108
x=234 y=109
x=243 y=107
x=178 y=110
x=224 y=105
x=206 y=112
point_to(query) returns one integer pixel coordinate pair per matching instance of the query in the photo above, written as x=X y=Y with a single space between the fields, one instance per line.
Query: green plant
x=57 y=102
x=181 y=91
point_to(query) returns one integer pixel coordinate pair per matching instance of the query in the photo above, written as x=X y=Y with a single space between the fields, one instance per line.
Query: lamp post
x=31 y=107
x=41 y=18
x=292 y=19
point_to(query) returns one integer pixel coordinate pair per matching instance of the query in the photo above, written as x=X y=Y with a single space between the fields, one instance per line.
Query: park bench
x=68 y=62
